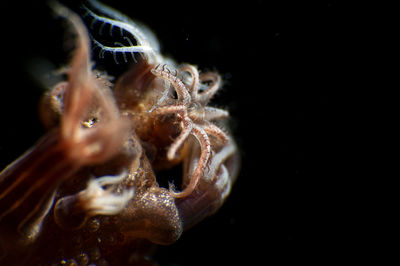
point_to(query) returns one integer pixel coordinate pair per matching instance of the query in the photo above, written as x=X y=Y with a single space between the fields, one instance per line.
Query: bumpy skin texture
x=88 y=191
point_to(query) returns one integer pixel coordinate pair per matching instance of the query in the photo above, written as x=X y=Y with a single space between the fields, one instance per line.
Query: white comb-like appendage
x=146 y=42
x=103 y=201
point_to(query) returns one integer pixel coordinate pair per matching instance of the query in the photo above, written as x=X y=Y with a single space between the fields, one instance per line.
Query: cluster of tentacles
x=194 y=115
x=91 y=185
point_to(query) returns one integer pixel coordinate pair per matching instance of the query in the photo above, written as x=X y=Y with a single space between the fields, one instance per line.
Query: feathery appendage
x=146 y=44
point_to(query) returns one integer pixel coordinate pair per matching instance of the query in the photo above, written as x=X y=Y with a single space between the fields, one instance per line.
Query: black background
x=278 y=88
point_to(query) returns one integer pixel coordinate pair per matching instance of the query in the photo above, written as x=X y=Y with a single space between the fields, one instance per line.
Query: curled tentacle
x=194 y=75
x=205 y=96
x=180 y=88
x=213 y=188
x=198 y=173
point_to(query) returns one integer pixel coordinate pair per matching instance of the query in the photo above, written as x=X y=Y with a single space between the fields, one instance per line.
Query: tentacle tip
x=171 y=155
x=178 y=195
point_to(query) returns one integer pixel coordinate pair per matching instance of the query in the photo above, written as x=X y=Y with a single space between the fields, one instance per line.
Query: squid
x=88 y=192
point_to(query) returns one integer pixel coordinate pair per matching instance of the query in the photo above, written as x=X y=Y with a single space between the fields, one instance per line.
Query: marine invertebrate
x=91 y=183
x=195 y=117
